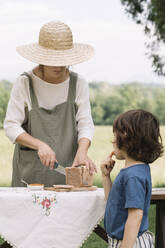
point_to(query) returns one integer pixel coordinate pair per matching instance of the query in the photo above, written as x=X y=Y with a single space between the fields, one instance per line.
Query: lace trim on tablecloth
x=91 y=231
x=4 y=238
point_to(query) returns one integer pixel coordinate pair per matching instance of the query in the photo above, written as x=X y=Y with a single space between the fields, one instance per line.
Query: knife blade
x=59 y=168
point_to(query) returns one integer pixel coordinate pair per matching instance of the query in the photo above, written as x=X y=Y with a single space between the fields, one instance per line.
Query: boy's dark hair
x=137 y=132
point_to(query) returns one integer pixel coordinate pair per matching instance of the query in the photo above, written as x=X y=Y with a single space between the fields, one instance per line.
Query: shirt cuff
x=86 y=134
x=14 y=132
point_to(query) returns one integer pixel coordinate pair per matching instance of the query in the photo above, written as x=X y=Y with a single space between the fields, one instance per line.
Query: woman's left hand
x=81 y=158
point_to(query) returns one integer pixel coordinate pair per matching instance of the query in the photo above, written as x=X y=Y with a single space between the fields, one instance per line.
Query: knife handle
x=55 y=165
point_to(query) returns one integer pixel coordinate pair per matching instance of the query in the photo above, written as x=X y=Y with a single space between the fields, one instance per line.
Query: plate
x=35 y=186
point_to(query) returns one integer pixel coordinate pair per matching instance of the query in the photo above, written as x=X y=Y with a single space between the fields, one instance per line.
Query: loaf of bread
x=78 y=176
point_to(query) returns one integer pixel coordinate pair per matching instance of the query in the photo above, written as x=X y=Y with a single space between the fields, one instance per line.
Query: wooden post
x=160 y=226
x=101 y=233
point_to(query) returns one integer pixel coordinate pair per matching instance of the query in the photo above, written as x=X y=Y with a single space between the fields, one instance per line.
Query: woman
x=48 y=115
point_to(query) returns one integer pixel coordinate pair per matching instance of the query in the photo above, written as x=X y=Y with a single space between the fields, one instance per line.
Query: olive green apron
x=57 y=128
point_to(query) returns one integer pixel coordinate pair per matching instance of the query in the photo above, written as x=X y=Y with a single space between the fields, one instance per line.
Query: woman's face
x=55 y=73
x=55 y=70
x=119 y=153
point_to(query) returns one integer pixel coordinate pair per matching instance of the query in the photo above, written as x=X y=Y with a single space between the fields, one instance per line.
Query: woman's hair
x=138 y=134
x=41 y=68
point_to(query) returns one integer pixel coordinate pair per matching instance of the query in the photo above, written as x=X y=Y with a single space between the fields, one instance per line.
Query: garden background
x=107 y=101
x=128 y=37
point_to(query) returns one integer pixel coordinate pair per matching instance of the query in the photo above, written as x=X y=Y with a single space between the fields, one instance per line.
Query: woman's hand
x=46 y=155
x=81 y=158
x=107 y=165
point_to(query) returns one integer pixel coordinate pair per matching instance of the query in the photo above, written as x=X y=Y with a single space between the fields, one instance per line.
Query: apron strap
x=72 y=87
x=33 y=97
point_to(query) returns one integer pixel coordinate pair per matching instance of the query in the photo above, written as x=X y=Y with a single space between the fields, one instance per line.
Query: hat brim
x=40 y=55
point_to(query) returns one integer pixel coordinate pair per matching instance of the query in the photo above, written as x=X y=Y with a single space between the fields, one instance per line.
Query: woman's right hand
x=46 y=155
x=45 y=152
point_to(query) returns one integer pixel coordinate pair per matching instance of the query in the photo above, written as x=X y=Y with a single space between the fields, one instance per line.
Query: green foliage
x=5 y=88
x=107 y=104
x=113 y=105
x=151 y=14
x=108 y=101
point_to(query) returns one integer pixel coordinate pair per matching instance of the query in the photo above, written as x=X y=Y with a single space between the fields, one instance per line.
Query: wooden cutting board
x=92 y=188
x=57 y=190
x=88 y=188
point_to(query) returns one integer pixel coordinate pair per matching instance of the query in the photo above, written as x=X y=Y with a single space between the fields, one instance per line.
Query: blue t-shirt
x=131 y=189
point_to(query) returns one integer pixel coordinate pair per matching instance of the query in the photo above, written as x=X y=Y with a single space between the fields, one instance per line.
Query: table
x=49 y=219
x=11 y=197
x=158 y=198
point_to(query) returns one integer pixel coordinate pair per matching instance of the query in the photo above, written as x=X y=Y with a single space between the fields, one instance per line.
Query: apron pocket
x=25 y=148
x=28 y=163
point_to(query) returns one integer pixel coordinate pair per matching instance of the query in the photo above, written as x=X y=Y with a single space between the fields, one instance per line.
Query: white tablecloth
x=47 y=219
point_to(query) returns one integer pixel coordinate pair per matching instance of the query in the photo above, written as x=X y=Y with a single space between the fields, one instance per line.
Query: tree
x=131 y=94
x=160 y=106
x=113 y=106
x=97 y=114
x=151 y=14
x=106 y=105
x=5 y=88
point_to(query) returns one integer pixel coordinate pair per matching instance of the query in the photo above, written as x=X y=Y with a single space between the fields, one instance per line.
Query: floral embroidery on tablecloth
x=45 y=201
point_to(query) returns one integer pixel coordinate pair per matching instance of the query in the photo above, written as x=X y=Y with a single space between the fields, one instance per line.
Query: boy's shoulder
x=140 y=171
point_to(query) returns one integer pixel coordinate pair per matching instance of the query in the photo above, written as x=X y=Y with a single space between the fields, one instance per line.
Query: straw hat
x=55 y=47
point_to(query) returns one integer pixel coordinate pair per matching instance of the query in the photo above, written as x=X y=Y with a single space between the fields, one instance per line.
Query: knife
x=59 y=168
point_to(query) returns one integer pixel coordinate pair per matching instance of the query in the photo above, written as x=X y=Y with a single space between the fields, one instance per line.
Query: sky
x=118 y=41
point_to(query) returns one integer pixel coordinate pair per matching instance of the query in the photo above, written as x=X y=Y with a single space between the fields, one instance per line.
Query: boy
x=137 y=140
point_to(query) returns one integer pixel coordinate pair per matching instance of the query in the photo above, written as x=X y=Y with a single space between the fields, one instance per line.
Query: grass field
x=100 y=148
